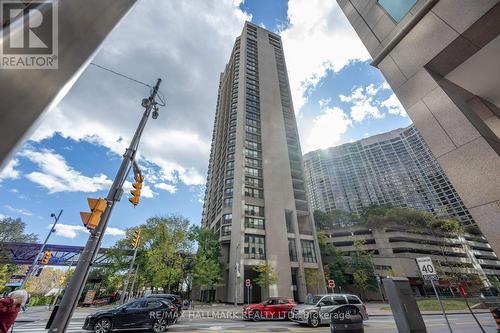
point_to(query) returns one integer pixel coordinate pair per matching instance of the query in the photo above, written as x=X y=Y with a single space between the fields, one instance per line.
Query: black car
x=172 y=298
x=141 y=314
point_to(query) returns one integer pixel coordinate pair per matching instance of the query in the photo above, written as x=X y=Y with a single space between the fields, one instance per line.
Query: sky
x=76 y=149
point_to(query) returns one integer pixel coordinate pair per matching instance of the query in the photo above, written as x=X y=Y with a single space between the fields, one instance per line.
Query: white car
x=316 y=311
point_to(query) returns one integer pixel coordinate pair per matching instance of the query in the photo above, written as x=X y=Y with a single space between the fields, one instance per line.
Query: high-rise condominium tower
x=394 y=168
x=256 y=198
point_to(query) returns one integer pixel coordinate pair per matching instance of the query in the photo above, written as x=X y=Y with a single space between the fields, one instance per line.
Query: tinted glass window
x=153 y=304
x=339 y=300
x=327 y=301
x=397 y=8
x=353 y=300
x=135 y=305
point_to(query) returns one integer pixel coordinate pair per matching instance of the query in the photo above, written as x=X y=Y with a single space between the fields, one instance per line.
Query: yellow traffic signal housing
x=136 y=192
x=135 y=238
x=97 y=207
x=46 y=257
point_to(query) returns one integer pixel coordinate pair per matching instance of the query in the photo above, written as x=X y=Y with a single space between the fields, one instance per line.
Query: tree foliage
x=266 y=276
x=207 y=270
x=335 y=218
x=11 y=230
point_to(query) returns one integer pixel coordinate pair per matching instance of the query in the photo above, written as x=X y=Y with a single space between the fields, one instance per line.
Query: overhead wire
x=120 y=74
x=159 y=94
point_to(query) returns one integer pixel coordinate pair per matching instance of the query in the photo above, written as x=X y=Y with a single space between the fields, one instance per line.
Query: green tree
x=266 y=276
x=362 y=268
x=11 y=230
x=333 y=258
x=207 y=270
x=166 y=248
x=335 y=218
x=314 y=279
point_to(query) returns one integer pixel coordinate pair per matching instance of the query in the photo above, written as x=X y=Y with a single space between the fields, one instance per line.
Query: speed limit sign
x=427 y=268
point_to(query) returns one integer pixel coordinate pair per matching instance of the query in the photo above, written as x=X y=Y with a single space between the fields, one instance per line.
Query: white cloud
x=68 y=230
x=363 y=103
x=146 y=191
x=57 y=176
x=317 y=39
x=10 y=171
x=2 y=216
x=112 y=231
x=19 y=210
x=394 y=106
x=104 y=109
x=166 y=187
x=72 y=231
x=326 y=129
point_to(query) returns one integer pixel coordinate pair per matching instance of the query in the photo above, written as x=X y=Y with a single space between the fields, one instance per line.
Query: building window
x=225 y=230
x=228 y=202
x=397 y=9
x=254 y=222
x=254 y=192
x=254 y=210
x=292 y=249
x=308 y=252
x=227 y=219
x=255 y=247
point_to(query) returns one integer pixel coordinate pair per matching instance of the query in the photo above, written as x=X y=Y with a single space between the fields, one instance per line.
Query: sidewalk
x=378 y=309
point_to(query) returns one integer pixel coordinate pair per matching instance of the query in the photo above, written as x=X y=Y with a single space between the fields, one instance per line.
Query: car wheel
x=314 y=320
x=103 y=325
x=256 y=315
x=160 y=325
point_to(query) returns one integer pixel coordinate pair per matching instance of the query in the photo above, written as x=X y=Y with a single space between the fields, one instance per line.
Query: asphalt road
x=461 y=323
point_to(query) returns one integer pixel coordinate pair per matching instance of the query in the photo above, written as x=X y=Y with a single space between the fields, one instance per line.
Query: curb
x=430 y=314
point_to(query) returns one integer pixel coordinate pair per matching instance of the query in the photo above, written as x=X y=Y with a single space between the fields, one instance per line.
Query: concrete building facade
x=394 y=250
x=441 y=59
x=255 y=198
x=394 y=168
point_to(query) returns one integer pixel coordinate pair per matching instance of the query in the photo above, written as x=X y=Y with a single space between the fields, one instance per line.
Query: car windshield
x=314 y=300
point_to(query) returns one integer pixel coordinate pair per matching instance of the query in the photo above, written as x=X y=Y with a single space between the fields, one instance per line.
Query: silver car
x=316 y=311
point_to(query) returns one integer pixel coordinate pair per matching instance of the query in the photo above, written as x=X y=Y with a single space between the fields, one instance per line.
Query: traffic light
x=136 y=192
x=91 y=220
x=135 y=238
x=46 y=257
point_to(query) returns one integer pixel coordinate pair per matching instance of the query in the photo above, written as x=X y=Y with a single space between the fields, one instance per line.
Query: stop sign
x=331 y=283
x=248 y=282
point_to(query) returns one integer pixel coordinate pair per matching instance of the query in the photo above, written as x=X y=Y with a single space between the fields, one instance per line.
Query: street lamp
x=31 y=269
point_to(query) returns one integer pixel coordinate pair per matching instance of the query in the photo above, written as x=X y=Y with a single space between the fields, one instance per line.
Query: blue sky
x=76 y=148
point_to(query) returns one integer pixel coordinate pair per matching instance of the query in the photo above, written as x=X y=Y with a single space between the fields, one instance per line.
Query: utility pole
x=125 y=285
x=31 y=269
x=78 y=279
x=136 y=273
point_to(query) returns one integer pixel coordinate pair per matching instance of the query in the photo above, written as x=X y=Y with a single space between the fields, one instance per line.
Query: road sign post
x=248 y=285
x=331 y=285
x=429 y=273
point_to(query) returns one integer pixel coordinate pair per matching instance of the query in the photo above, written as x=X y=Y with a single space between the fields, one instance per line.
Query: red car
x=273 y=308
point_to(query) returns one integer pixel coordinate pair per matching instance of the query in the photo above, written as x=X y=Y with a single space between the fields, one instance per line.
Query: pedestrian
x=9 y=308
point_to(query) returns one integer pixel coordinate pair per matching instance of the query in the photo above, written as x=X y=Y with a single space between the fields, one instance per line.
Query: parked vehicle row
x=314 y=312
x=159 y=311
